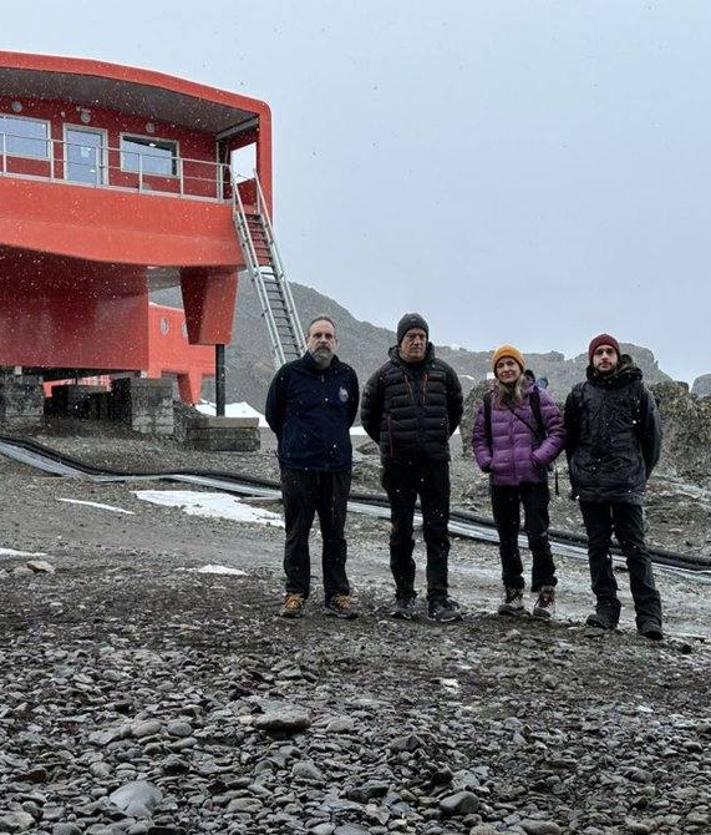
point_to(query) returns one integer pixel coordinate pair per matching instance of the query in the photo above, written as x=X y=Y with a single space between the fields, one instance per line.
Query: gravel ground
x=126 y=669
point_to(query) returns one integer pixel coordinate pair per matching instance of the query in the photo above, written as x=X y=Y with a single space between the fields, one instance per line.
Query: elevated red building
x=115 y=181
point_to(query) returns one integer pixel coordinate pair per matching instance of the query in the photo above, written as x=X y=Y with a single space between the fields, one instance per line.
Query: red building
x=115 y=181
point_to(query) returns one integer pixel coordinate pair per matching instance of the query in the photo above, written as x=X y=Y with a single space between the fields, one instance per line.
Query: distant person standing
x=613 y=444
x=311 y=405
x=518 y=432
x=411 y=406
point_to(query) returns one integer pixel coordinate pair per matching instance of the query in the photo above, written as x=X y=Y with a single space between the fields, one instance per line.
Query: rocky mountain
x=364 y=346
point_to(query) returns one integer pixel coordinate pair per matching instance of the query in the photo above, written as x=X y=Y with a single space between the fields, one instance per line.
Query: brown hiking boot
x=341 y=606
x=544 y=608
x=294 y=605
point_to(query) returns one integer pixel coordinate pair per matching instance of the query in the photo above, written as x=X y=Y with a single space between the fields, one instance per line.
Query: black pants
x=627 y=520
x=306 y=493
x=506 y=503
x=404 y=482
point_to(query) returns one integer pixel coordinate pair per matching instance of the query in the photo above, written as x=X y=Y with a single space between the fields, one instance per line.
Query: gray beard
x=322 y=358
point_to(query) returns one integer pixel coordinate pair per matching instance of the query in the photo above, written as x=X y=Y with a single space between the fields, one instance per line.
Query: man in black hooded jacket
x=613 y=443
x=410 y=408
x=311 y=405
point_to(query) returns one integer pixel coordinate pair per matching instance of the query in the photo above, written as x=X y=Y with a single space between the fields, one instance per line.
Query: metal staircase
x=264 y=265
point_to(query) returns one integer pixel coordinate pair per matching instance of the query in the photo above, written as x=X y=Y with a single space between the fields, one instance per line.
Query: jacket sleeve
x=571 y=422
x=455 y=400
x=275 y=410
x=371 y=407
x=482 y=453
x=552 y=446
x=650 y=430
x=354 y=398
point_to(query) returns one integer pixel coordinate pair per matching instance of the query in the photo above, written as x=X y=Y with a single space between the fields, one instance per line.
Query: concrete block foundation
x=145 y=405
x=220 y=434
x=21 y=402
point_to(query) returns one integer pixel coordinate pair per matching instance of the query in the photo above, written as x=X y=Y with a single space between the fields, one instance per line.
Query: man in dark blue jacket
x=311 y=405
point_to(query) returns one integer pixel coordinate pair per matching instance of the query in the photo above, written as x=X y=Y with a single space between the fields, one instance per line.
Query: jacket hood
x=625 y=373
x=395 y=357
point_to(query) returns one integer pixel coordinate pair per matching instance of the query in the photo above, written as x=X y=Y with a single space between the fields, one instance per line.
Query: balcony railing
x=114 y=168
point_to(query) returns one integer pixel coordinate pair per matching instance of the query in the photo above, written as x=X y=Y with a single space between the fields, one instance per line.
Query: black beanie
x=408 y=322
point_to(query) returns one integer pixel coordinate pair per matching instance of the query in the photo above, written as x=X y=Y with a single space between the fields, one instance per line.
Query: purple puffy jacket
x=516 y=459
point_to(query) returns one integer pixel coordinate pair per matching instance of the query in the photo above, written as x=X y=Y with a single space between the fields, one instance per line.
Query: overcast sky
x=527 y=172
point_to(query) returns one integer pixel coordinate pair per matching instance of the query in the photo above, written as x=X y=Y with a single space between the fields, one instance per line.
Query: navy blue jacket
x=311 y=411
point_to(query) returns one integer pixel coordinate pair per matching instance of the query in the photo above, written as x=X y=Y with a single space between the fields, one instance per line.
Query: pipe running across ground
x=462 y=523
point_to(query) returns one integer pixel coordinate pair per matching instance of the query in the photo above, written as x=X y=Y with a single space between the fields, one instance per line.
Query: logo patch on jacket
x=343 y=394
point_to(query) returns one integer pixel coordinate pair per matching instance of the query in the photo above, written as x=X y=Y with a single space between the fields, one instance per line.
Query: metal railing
x=108 y=167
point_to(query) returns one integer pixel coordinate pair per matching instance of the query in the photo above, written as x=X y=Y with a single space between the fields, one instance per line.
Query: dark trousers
x=306 y=493
x=404 y=482
x=627 y=521
x=506 y=503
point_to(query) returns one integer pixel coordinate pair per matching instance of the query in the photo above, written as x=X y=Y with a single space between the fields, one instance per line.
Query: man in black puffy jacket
x=410 y=407
x=311 y=405
x=613 y=444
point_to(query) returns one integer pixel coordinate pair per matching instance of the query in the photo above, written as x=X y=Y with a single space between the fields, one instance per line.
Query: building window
x=24 y=137
x=151 y=156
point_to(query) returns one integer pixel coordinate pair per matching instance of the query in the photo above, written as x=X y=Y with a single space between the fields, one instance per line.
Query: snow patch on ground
x=97 y=505
x=11 y=552
x=217 y=569
x=218 y=505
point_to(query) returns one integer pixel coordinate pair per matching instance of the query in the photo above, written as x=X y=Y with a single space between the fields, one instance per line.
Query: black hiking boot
x=444 y=610
x=651 y=629
x=600 y=621
x=512 y=604
x=404 y=608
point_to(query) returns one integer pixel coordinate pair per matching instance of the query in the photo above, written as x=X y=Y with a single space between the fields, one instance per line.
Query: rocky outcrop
x=702 y=386
x=471 y=406
x=686 y=448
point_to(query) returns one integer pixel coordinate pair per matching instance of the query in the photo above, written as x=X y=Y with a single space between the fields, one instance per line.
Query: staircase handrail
x=276 y=256
x=255 y=274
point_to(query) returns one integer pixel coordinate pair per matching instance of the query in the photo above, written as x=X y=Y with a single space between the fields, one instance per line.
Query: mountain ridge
x=249 y=368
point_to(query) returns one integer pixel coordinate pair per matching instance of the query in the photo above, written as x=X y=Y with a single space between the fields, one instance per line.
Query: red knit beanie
x=603 y=339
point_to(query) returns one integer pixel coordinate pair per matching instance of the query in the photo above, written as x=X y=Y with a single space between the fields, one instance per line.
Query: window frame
x=176 y=159
x=48 y=140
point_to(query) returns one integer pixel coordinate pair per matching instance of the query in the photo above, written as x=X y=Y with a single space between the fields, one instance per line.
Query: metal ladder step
x=263 y=263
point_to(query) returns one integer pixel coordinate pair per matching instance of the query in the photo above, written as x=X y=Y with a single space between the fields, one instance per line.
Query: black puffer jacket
x=614 y=435
x=410 y=410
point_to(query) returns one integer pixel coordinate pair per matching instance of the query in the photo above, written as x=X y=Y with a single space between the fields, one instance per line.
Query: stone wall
x=215 y=434
x=21 y=402
x=143 y=404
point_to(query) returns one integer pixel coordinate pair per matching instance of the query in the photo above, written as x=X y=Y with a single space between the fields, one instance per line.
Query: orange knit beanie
x=508 y=351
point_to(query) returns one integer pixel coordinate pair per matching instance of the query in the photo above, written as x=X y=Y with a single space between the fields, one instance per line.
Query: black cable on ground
x=662 y=556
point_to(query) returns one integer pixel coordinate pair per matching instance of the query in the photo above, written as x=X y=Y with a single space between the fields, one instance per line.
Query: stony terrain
x=138 y=695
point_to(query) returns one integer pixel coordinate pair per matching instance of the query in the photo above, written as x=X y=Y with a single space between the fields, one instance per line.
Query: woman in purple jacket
x=518 y=432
